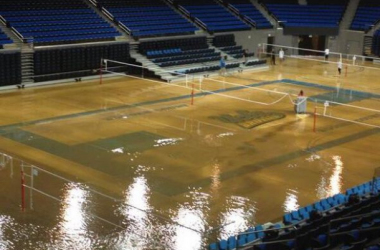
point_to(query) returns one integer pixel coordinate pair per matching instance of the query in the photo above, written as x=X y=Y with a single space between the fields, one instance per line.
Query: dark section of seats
x=148 y=17
x=61 y=63
x=316 y=14
x=56 y=22
x=213 y=15
x=228 y=45
x=376 y=43
x=10 y=68
x=179 y=52
x=343 y=221
x=4 y=39
x=367 y=14
x=246 y=8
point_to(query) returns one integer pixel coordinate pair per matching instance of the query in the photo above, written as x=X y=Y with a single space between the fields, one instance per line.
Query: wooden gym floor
x=182 y=175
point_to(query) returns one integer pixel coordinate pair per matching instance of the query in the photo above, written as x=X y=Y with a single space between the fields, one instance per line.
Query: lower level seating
x=376 y=43
x=227 y=44
x=4 y=40
x=10 y=68
x=344 y=221
x=79 y=61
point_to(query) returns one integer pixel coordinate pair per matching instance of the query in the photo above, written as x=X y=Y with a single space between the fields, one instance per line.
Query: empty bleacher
x=187 y=54
x=56 y=22
x=367 y=14
x=227 y=44
x=343 y=221
x=10 y=70
x=246 y=8
x=4 y=39
x=376 y=43
x=148 y=17
x=319 y=14
x=70 y=62
x=214 y=16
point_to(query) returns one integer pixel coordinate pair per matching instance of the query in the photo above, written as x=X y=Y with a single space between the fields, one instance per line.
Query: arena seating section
x=376 y=43
x=10 y=70
x=60 y=63
x=187 y=53
x=216 y=17
x=56 y=21
x=317 y=13
x=148 y=17
x=245 y=7
x=227 y=44
x=344 y=221
x=4 y=39
x=367 y=14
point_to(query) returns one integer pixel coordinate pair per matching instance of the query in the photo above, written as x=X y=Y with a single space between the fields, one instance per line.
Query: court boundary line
x=182 y=97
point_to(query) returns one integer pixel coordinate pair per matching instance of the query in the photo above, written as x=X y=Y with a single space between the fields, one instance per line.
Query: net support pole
x=32 y=185
x=101 y=72
x=345 y=73
x=192 y=94
x=315 y=120
x=22 y=191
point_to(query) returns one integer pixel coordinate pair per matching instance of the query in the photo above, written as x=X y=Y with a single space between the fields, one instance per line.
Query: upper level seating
x=344 y=221
x=318 y=13
x=245 y=7
x=148 y=17
x=366 y=15
x=4 y=39
x=213 y=15
x=56 y=21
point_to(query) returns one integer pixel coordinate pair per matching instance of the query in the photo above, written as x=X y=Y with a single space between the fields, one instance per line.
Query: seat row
x=348 y=220
x=54 y=22
x=10 y=68
x=215 y=17
x=311 y=15
x=367 y=14
x=162 y=19
x=246 y=8
x=205 y=69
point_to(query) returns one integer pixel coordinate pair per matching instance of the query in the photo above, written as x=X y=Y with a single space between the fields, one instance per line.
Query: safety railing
x=111 y=17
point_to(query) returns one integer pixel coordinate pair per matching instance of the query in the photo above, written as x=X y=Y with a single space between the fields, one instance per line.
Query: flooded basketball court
x=131 y=164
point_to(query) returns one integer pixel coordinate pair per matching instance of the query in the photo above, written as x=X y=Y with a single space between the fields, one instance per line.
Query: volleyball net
x=141 y=72
x=294 y=52
x=201 y=85
x=248 y=93
x=346 y=114
x=351 y=63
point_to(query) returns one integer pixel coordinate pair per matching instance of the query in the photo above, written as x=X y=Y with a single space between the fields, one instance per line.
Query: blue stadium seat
x=56 y=22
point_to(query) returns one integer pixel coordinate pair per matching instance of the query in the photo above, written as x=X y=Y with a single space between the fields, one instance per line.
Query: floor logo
x=249 y=119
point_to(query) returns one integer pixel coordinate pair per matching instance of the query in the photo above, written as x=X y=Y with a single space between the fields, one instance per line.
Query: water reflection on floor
x=174 y=178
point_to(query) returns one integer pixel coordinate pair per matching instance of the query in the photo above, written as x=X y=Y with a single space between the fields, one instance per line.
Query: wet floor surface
x=142 y=168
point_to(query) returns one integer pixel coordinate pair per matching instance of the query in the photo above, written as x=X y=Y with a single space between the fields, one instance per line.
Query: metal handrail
x=2 y=19
x=184 y=11
x=108 y=14
x=200 y=23
x=125 y=28
x=371 y=26
x=93 y=2
x=17 y=33
x=233 y=9
x=249 y=20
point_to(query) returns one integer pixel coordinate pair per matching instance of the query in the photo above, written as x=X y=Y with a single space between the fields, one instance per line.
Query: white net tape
x=364 y=116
